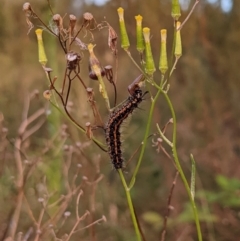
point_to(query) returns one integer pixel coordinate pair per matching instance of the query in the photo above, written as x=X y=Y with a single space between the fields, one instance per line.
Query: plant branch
x=169 y=207
x=179 y=167
x=189 y=14
x=145 y=138
x=130 y=204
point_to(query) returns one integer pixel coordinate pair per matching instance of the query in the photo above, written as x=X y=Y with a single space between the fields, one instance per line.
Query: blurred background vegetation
x=205 y=91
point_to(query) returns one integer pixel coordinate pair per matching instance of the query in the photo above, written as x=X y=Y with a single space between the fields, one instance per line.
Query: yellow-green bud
x=178 y=45
x=42 y=58
x=163 y=63
x=140 y=43
x=93 y=61
x=150 y=66
x=176 y=10
x=124 y=36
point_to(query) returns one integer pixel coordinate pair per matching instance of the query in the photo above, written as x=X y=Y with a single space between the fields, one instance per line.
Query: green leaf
x=226 y=183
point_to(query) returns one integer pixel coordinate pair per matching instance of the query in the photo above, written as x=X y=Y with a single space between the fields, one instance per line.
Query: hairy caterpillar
x=113 y=135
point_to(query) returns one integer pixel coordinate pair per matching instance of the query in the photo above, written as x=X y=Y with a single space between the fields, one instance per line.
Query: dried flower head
x=67 y=214
x=109 y=73
x=90 y=94
x=27 y=9
x=88 y=16
x=47 y=94
x=89 y=132
x=73 y=60
x=57 y=19
x=72 y=21
x=95 y=69
x=112 y=39
x=157 y=144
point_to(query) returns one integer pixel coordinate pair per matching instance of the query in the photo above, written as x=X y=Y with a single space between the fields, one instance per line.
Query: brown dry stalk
x=169 y=208
x=22 y=130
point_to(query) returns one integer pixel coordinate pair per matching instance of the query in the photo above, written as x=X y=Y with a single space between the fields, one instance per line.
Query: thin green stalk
x=63 y=113
x=193 y=176
x=149 y=79
x=164 y=137
x=167 y=76
x=174 y=65
x=145 y=138
x=175 y=155
x=129 y=200
x=134 y=62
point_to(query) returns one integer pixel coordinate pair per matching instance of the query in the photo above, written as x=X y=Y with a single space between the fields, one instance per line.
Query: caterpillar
x=112 y=129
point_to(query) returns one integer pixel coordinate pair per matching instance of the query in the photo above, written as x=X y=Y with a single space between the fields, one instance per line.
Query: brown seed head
x=89 y=130
x=112 y=39
x=26 y=6
x=47 y=94
x=109 y=73
x=72 y=21
x=88 y=16
x=73 y=60
x=90 y=93
x=57 y=19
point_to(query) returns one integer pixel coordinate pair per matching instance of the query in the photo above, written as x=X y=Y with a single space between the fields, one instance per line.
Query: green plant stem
x=129 y=200
x=168 y=75
x=193 y=176
x=145 y=138
x=174 y=65
x=176 y=159
x=134 y=62
x=164 y=137
x=148 y=78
